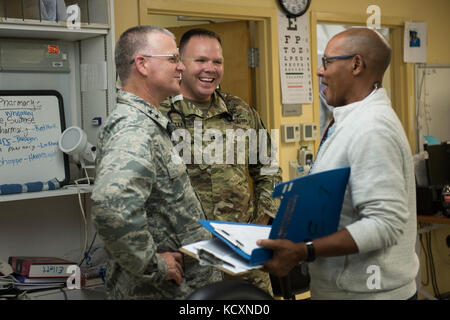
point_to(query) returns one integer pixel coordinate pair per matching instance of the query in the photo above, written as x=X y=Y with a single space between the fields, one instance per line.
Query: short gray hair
x=130 y=42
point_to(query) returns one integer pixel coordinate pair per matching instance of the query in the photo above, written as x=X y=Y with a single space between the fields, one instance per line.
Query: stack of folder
x=310 y=208
x=31 y=272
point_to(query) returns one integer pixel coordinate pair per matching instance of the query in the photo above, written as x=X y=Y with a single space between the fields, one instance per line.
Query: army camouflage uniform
x=144 y=204
x=225 y=189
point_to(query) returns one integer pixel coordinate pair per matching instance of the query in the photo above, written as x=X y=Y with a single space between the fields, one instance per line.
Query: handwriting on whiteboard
x=24 y=137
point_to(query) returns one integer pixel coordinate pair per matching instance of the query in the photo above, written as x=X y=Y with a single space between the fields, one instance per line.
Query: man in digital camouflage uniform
x=144 y=206
x=224 y=189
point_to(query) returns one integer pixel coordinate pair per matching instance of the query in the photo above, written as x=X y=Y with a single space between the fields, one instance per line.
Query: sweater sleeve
x=378 y=189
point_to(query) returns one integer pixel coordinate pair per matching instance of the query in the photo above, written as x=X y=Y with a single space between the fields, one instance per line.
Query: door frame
x=402 y=74
x=266 y=39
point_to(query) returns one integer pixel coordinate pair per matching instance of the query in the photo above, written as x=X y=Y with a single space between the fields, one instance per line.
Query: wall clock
x=294 y=8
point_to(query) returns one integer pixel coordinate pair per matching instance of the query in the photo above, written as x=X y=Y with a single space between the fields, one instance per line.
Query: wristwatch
x=311 y=252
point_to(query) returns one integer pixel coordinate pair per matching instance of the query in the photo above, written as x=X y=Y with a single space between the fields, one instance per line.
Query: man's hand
x=174 y=262
x=286 y=255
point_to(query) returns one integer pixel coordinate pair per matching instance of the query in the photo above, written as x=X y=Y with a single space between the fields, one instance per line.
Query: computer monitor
x=438 y=164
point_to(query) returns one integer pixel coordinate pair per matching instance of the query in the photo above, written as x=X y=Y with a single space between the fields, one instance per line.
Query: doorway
x=326 y=31
x=399 y=85
x=235 y=37
x=261 y=23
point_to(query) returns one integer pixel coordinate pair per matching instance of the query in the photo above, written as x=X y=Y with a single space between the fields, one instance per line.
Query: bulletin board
x=433 y=101
x=31 y=123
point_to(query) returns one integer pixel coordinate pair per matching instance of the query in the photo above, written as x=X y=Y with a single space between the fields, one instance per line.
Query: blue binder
x=310 y=208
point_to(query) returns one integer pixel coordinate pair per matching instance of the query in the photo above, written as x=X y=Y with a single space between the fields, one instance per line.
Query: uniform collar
x=218 y=106
x=145 y=107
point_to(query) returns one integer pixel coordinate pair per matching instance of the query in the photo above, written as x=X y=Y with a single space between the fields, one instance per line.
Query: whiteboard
x=433 y=101
x=31 y=123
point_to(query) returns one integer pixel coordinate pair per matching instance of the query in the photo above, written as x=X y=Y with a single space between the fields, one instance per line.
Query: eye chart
x=295 y=62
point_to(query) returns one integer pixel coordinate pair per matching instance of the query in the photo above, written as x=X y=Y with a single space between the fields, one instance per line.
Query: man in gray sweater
x=372 y=255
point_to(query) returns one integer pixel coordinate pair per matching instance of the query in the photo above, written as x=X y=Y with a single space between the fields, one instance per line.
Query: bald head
x=357 y=61
x=370 y=44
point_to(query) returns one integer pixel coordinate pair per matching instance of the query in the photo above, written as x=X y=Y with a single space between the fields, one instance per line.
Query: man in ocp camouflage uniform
x=144 y=206
x=224 y=188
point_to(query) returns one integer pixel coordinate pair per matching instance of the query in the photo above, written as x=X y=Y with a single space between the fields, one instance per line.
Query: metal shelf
x=45 y=194
x=50 y=31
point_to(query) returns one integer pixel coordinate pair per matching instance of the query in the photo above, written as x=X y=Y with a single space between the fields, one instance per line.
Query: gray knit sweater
x=379 y=207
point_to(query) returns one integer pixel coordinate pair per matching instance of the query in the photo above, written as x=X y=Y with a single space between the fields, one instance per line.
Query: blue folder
x=310 y=208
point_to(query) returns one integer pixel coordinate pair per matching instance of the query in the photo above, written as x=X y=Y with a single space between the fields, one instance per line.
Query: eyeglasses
x=326 y=60
x=173 y=58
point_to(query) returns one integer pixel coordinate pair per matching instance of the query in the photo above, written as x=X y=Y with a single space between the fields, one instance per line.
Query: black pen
x=225 y=232
x=239 y=243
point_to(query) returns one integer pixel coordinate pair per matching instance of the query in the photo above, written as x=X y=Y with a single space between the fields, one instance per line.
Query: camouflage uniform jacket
x=224 y=189
x=144 y=204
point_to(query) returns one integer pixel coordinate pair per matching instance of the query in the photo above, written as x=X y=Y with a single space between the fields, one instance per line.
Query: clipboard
x=217 y=228
x=310 y=208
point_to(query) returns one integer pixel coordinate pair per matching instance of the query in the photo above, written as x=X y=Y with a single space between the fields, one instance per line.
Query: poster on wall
x=415 y=42
x=295 y=62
